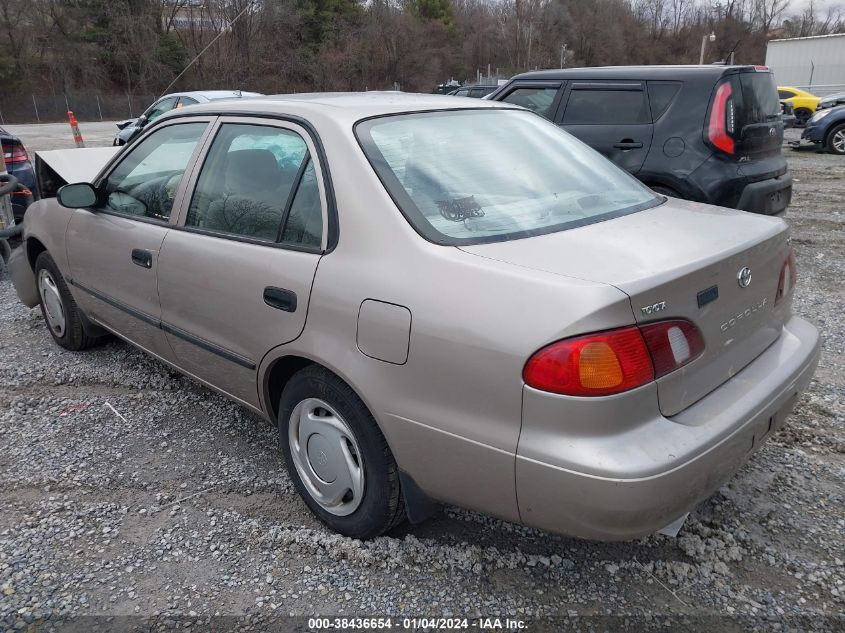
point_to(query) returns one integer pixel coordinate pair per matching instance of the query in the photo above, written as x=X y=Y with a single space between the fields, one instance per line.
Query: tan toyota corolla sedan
x=437 y=300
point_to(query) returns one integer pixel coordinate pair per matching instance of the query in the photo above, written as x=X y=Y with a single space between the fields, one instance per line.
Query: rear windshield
x=760 y=102
x=473 y=176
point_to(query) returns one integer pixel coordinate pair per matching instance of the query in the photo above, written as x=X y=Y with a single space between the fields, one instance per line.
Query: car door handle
x=142 y=258
x=280 y=299
x=627 y=143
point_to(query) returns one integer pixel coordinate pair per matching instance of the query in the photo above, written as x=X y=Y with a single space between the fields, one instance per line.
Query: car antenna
x=207 y=46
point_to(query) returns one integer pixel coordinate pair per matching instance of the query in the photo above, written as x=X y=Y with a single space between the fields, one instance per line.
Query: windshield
x=472 y=176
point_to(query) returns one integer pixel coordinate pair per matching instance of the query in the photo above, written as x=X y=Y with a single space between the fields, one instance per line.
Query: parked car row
x=443 y=300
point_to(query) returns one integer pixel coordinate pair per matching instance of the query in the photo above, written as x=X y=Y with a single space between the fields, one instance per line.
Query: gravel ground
x=128 y=490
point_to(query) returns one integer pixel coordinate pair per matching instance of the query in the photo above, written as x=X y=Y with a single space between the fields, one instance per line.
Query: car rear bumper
x=601 y=485
x=769 y=197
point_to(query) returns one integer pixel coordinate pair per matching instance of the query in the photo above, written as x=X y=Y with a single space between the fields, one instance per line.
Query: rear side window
x=785 y=94
x=537 y=99
x=248 y=183
x=605 y=107
x=661 y=94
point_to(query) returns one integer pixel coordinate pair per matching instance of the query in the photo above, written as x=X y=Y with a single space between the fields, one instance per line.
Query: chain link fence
x=87 y=106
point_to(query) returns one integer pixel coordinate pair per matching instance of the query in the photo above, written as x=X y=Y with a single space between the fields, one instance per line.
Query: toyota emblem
x=743 y=277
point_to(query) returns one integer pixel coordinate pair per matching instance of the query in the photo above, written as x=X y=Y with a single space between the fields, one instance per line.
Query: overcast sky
x=797 y=6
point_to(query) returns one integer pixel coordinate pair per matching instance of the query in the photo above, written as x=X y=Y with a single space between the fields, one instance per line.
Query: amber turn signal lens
x=598 y=367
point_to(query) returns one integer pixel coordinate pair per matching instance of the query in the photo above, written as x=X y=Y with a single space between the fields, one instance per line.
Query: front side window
x=785 y=94
x=537 y=100
x=606 y=107
x=473 y=176
x=254 y=184
x=145 y=182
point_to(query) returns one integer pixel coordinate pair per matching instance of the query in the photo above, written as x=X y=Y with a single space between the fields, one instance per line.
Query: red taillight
x=672 y=344
x=722 y=119
x=14 y=154
x=788 y=277
x=614 y=361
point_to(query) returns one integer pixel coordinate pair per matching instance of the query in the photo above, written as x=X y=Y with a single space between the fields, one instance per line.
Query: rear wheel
x=62 y=315
x=337 y=457
x=802 y=115
x=836 y=140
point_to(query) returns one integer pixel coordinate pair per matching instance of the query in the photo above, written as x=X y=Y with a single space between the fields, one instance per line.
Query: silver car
x=130 y=128
x=436 y=300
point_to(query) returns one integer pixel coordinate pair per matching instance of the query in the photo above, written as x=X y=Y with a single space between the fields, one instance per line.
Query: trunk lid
x=679 y=260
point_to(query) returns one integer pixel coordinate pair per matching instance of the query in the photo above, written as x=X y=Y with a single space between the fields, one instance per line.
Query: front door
x=235 y=277
x=612 y=117
x=113 y=248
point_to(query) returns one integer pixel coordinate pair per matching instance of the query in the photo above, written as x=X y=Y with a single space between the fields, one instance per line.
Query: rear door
x=612 y=117
x=235 y=275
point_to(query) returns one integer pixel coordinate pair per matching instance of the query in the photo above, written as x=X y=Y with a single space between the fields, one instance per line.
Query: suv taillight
x=14 y=153
x=722 y=119
x=614 y=361
x=788 y=277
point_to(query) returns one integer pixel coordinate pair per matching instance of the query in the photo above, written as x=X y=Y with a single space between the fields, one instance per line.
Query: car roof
x=211 y=95
x=663 y=72
x=347 y=106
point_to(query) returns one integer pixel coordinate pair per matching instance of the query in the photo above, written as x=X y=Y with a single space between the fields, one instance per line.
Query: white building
x=813 y=63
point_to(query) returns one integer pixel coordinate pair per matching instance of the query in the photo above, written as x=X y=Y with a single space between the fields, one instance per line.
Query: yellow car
x=804 y=102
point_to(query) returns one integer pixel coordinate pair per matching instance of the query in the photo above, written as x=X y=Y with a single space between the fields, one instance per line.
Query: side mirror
x=79 y=195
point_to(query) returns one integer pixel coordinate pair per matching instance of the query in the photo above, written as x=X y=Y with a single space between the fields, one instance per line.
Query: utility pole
x=704 y=38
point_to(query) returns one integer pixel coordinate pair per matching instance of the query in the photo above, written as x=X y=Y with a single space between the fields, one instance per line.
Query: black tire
x=802 y=115
x=382 y=506
x=72 y=336
x=831 y=141
x=665 y=191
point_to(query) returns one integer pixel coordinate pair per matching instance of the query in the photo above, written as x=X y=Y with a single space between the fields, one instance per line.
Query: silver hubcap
x=52 y=302
x=326 y=456
x=839 y=141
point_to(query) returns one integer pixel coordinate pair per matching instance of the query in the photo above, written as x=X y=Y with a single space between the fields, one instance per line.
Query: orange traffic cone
x=74 y=127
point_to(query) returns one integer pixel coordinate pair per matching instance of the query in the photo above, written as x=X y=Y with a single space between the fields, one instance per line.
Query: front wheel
x=337 y=457
x=836 y=140
x=62 y=315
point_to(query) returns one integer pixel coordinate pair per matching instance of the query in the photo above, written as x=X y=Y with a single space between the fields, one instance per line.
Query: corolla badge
x=743 y=277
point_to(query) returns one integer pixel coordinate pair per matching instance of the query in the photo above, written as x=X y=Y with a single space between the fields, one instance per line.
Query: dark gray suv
x=706 y=133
